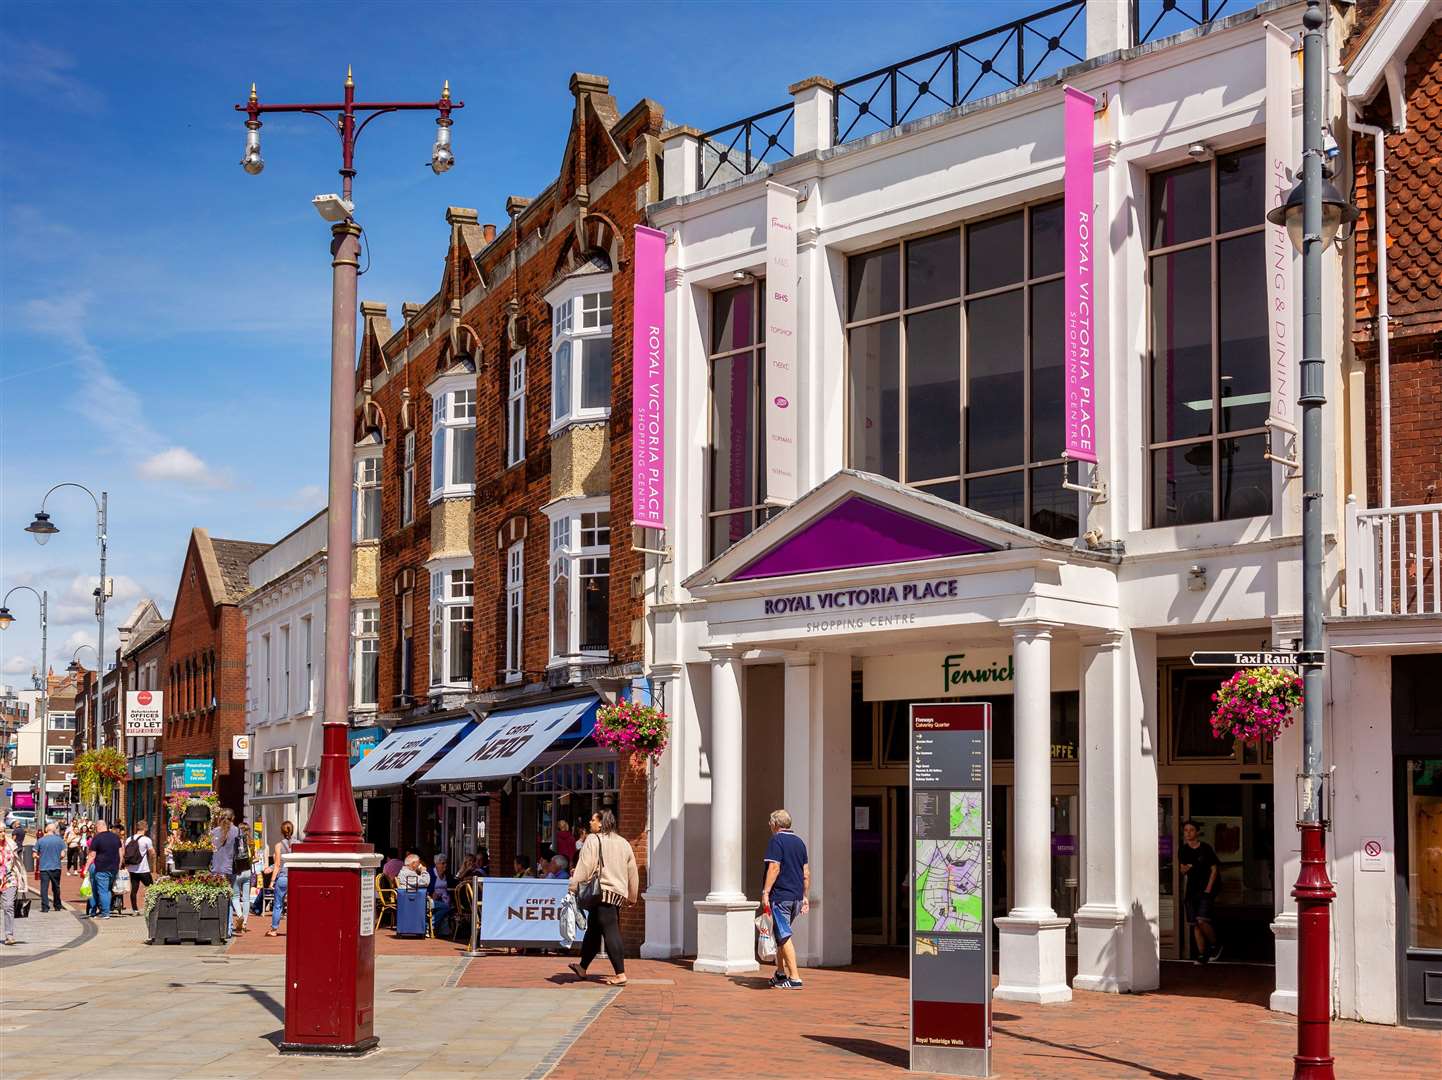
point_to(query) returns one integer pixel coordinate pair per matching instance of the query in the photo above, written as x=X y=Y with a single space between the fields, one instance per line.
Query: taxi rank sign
x=951 y=888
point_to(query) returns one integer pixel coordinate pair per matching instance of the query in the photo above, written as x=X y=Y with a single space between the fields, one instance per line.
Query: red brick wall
x=201 y=628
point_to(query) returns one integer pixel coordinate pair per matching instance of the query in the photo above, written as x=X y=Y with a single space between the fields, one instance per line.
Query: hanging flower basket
x=629 y=727
x=191 y=805
x=99 y=771
x=1256 y=704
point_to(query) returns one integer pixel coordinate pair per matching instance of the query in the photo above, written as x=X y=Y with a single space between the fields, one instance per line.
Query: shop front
x=143 y=794
x=392 y=817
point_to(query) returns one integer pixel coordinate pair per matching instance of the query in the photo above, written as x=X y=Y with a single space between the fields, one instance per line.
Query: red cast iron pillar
x=330 y=932
x=1314 y=894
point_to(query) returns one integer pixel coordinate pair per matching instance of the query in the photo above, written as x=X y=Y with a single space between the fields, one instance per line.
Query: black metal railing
x=992 y=61
x=739 y=148
x=1162 y=18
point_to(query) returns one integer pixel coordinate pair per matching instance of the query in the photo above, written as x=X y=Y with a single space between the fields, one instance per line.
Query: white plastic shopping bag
x=765 y=937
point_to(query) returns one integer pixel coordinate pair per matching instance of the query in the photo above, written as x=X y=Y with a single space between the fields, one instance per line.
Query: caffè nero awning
x=505 y=742
x=405 y=752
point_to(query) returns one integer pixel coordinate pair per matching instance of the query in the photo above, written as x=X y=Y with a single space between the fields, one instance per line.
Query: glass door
x=869 y=894
x=1419 y=898
x=1169 y=912
x=1065 y=858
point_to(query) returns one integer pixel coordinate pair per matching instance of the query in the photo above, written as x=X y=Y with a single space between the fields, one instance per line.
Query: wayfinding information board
x=951 y=888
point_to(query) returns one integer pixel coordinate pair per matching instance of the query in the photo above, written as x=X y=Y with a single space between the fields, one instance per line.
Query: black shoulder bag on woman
x=240 y=854
x=588 y=896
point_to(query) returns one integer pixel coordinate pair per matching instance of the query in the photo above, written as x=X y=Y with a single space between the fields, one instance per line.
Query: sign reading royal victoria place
x=951 y=888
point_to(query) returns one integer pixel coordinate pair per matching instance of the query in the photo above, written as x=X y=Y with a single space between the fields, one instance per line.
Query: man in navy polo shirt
x=785 y=894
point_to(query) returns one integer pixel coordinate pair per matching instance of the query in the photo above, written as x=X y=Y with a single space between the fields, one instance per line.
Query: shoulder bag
x=241 y=863
x=588 y=896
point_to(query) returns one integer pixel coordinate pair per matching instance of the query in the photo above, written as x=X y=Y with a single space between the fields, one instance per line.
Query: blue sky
x=164 y=318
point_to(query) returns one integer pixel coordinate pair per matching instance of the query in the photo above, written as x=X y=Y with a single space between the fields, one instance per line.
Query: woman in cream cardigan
x=606 y=857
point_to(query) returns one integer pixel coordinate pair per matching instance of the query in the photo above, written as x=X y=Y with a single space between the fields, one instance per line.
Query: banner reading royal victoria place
x=648 y=380
x=1080 y=283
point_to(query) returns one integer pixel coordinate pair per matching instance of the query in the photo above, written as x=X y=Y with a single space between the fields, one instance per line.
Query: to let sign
x=144 y=714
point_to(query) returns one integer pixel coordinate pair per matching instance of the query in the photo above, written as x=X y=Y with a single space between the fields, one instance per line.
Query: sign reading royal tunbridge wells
x=1080 y=280
x=144 y=713
x=782 y=384
x=951 y=888
x=648 y=381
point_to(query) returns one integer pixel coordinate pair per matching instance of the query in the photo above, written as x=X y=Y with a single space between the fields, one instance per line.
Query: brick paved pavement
x=1213 y=1023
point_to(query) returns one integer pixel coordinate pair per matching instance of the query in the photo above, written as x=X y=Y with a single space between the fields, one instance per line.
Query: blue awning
x=404 y=752
x=506 y=742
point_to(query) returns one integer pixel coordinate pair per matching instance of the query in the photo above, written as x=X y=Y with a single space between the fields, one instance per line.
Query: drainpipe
x=1384 y=328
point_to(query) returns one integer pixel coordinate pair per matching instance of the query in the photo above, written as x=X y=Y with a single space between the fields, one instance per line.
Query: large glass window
x=367 y=502
x=954 y=344
x=736 y=470
x=580 y=355
x=516 y=411
x=453 y=440
x=408 y=479
x=515 y=609
x=580 y=584
x=452 y=614
x=1210 y=384
x=365 y=654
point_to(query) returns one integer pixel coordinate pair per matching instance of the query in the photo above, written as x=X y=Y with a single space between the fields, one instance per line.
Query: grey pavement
x=111 y=1006
x=44 y=932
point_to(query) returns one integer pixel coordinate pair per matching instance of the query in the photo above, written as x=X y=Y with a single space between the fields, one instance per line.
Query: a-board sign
x=951 y=888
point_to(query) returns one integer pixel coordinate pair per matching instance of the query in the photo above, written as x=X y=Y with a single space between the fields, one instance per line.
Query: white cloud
x=17 y=665
x=179 y=465
x=76 y=604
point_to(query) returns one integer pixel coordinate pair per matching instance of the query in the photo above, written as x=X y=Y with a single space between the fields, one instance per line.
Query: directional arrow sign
x=1254 y=659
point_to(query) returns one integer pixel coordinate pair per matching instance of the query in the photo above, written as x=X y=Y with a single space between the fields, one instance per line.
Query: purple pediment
x=860 y=532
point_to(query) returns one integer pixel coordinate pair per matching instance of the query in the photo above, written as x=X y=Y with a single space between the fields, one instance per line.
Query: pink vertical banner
x=1080 y=283
x=648 y=380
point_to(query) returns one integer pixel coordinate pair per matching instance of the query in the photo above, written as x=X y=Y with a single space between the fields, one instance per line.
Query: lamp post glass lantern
x=329 y=864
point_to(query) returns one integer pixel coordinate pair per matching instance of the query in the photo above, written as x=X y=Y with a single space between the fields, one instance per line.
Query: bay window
x=365 y=655
x=515 y=610
x=453 y=437
x=955 y=374
x=453 y=593
x=580 y=579
x=516 y=411
x=408 y=479
x=1210 y=383
x=736 y=470
x=580 y=351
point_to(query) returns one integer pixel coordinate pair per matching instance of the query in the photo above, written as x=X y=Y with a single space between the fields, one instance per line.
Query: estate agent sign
x=951 y=888
x=144 y=711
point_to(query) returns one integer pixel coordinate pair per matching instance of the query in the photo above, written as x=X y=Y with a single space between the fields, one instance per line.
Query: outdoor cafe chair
x=385 y=899
x=461 y=911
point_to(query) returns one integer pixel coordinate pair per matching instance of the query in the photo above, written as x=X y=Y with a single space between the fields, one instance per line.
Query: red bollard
x=1314 y=894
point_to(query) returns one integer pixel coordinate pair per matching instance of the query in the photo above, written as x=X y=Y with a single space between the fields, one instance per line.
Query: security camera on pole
x=330 y=976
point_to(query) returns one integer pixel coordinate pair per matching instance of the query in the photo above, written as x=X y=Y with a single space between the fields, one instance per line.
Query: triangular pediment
x=855 y=520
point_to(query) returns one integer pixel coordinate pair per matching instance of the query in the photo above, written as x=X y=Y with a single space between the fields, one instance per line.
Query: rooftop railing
x=1004 y=57
x=1394 y=560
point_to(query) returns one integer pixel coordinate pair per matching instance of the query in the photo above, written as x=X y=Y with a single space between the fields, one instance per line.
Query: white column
x=1286 y=843
x=665 y=866
x=814 y=104
x=1109 y=27
x=1032 y=939
x=680 y=158
x=1103 y=940
x=725 y=936
x=817 y=741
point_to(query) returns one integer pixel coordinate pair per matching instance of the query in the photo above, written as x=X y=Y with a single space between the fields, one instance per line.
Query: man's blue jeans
x=103 y=888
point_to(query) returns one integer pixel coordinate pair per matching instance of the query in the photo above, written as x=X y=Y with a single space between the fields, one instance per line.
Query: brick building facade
x=205 y=660
x=511 y=361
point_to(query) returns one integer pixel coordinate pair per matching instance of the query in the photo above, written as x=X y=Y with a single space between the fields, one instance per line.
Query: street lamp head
x=1336 y=212
x=441 y=157
x=41 y=528
x=5 y=618
x=252 y=162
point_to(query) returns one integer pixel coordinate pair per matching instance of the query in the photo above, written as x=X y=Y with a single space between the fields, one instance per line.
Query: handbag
x=240 y=855
x=588 y=896
x=22 y=907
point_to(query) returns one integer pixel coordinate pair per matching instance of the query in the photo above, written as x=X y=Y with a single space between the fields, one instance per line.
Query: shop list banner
x=1080 y=279
x=781 y=376
x=951 y=888
x=1281 y=309
x=522 y=911
x=648 y=381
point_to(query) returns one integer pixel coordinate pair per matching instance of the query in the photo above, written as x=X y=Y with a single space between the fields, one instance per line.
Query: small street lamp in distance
x=43 y=702
x=333 y=860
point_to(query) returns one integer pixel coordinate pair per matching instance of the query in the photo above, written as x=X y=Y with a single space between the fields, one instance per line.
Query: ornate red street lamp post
x=330 y=941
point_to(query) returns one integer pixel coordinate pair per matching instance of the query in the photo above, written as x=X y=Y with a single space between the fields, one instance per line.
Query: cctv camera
x=332 y=207
x=1199 y=152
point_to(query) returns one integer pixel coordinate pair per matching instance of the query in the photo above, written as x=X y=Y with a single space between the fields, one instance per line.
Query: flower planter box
x=174 y=922
x=192 y=860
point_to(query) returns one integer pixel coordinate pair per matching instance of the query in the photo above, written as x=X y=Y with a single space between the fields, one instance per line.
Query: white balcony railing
x=1394 y=560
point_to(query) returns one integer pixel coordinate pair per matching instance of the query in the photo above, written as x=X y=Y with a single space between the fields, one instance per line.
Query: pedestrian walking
x=102 y=866
x=138 y=852
x=49 y=851
x=72 y=849
x=223 y=840
x=1203 y=871
x=240 y=888
x=279 y=880
x=606 y=870
x=785 y=894
x=13 y=885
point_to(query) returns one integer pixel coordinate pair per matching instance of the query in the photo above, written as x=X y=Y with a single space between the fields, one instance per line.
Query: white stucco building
x=933 y=534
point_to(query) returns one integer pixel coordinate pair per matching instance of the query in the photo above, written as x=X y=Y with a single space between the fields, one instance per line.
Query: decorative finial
x=252 y=92
x=446 y=91
x=348 y=80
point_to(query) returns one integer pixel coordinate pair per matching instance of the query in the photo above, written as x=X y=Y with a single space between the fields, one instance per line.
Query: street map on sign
x=965 y=814
x=949 y=878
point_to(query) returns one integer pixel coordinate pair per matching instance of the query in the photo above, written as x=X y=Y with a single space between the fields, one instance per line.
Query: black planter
x=174 y=921
x=197 y=812
x=192 y=860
